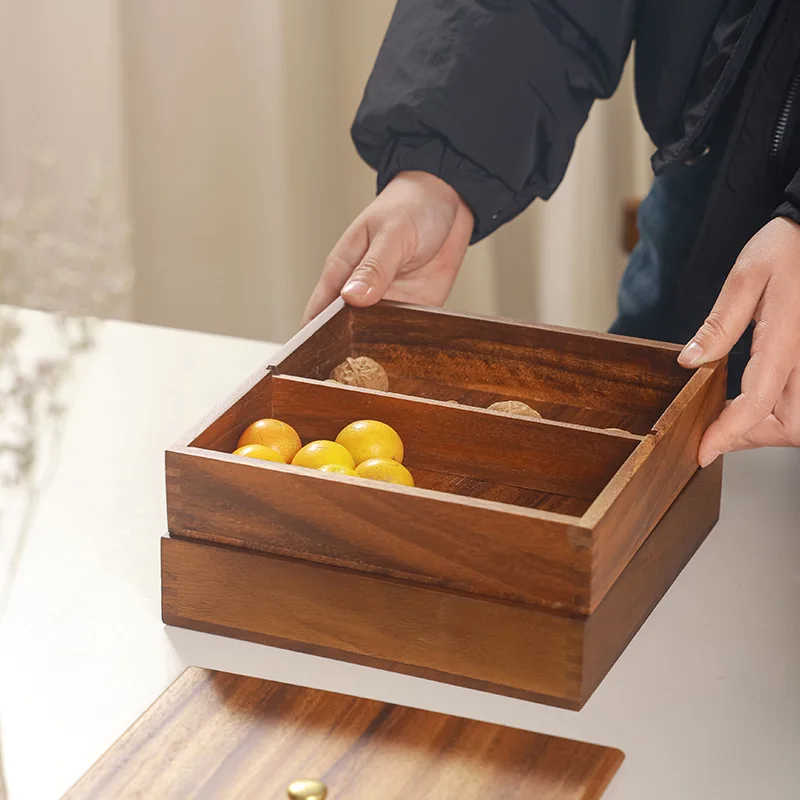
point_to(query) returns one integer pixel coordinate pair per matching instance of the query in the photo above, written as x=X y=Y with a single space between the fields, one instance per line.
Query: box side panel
x=470 y=546
x=366 y=619
x=642 y=491
x=569 y=368
x=222 y=429
x=319 y=346
x=651 y=572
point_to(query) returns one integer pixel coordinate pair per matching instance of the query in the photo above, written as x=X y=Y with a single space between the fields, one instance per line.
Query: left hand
x=764 y=286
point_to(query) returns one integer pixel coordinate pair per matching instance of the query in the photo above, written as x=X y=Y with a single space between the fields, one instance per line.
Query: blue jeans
x=669 y=219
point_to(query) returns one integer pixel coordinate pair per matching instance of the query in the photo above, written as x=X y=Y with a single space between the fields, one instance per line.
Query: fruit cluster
x=364 y=449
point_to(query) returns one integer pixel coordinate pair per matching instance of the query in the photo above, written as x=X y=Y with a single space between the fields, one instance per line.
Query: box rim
x=339 y=305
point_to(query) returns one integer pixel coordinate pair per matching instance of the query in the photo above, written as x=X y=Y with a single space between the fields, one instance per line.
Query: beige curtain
x=223 y=127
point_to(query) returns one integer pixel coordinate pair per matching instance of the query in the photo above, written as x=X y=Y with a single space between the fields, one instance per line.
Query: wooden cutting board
x=216 y=735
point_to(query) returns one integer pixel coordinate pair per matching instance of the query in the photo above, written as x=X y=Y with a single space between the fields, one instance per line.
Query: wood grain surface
x=471 y=443
x=540 y=363
x=507 y=648
x=215 y=735
x=541 y=513
x=325 y=342
x=654 y=568
x=504 y=450
x=500 y=493
x=435 y=539
x=639 y=494
x=637 y=423
x=585 y=378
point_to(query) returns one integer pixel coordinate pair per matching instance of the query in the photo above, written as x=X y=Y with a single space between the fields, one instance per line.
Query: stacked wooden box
x=530 y=550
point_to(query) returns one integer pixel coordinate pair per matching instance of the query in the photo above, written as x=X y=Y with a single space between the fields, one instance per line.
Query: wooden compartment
x=570 y=376
x=518 y=532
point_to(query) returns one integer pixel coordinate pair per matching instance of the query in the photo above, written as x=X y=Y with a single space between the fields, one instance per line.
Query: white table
x=705 y=702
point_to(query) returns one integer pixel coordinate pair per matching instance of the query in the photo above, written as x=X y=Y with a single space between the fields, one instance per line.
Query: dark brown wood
x=639 y=494
x=218 y=429
x=540 y=512
x=459 y=442
x=251 y=401
x=511 y=451
x=215 y=735
x=542 y=519
x=657 y=563
x=320 y=346
x=637 y=424
x=498 y=493
x=436 y=539
x=530 y=362
x=574 y=376
x=503 y=647
x=630 y=223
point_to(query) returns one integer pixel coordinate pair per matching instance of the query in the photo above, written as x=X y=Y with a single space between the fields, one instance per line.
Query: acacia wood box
x=528 y=553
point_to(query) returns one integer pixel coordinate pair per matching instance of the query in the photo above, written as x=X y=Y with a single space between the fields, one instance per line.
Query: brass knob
x=308 y=790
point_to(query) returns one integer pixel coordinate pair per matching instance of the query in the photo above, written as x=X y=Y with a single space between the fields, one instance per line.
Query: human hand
x=407 y=245
x=764 y=285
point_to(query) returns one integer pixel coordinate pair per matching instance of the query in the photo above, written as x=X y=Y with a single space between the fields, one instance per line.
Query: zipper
x=780 y=138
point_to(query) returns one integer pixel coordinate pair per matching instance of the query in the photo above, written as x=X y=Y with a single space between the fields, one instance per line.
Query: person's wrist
x=433 y=186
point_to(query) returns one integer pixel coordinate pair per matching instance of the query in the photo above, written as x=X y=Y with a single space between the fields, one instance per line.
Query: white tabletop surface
x=705 y=701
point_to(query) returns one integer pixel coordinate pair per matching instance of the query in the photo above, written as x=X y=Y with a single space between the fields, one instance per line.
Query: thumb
x=727 y=321
x=373 y=276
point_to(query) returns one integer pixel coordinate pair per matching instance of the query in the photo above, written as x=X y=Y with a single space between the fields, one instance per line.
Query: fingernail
x=691 y=355
x=356 y=289
x=709 y=458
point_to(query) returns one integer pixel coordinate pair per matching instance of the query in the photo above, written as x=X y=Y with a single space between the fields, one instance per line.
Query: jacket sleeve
x=790 y=208
x=489 y=95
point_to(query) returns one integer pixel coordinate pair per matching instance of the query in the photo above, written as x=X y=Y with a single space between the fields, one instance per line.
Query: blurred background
x=188 y=164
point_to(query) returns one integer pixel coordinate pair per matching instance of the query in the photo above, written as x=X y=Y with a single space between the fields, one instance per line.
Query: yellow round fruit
x=338 y=469
x=259 y=451
x=274 y=434
x=368 y=439
x=322 y=453
x=386 y=470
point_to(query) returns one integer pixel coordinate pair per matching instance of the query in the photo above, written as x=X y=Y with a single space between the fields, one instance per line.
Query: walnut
x=514 y=407
x=362 y=372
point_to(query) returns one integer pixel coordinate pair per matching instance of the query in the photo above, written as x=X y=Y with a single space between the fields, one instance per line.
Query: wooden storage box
x=530 y=550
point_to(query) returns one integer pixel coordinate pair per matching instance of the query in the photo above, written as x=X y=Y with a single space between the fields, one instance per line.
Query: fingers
x=339 y=265
x=729 y=318
x=361 y=267
x=774 y=354
x=781 y=428
x=371 y=279
x=763 y=382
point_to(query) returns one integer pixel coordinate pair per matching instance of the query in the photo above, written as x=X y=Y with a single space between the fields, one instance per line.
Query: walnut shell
x=514 y=407
x=362 y=372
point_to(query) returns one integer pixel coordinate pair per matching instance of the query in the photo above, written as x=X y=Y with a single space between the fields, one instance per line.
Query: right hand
x=407 y=245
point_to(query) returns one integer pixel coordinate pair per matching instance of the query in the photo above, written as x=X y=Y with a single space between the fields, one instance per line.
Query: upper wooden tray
x=216 y=735
x=547 y=512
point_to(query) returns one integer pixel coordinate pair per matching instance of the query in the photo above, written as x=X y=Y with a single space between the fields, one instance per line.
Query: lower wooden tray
x=216 y=735
x=504 y=647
